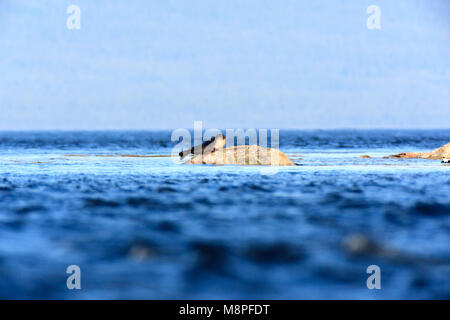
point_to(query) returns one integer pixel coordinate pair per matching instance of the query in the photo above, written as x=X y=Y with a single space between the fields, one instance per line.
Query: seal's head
x=220 y=141
x=215 y=143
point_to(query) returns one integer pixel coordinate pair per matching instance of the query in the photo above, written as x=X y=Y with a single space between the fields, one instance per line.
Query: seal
x=216 y=143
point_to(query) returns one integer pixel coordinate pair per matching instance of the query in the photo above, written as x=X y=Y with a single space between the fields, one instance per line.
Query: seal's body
x=216 y=143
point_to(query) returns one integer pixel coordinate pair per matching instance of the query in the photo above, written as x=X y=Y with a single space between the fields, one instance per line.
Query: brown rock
x=439 y=153
x=365 y=156
x=244 y=155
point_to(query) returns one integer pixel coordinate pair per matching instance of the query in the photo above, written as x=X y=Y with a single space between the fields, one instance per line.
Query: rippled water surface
x=144 y=227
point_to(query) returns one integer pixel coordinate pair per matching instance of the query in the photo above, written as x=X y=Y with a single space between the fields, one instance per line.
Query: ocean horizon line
x=244 y=128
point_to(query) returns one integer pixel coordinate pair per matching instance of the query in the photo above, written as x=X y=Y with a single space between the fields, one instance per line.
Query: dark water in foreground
x=148 y=228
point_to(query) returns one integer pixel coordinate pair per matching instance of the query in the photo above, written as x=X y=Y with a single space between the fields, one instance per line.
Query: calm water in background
x=148 y=228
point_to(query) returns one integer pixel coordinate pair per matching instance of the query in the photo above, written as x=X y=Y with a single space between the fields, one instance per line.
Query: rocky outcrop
x=244 y=155
x=439 y=153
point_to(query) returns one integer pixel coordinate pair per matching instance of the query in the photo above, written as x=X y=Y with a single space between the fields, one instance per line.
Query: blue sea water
x=147 y=228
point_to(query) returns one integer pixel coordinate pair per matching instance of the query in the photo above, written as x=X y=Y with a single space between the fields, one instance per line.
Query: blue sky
x=231 y=64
